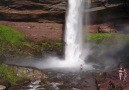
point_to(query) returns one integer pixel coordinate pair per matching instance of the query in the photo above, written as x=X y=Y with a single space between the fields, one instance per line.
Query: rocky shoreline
x=62 y=80
x=26 y=76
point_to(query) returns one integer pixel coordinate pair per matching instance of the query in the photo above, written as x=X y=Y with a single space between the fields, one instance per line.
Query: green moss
x=98 y=37
x=8 y=74
x=10 y=35
x=107 y=37
x=13 y=43
x=52 y=46
x=22 y=73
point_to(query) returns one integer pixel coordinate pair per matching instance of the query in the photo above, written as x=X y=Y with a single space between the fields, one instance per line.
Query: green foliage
x=22 y=73
x=13 y=43
x=98 y=37
x=51 y=46
x=10 y=35
x=3 y=69
x=107 y=37
x=8 y=74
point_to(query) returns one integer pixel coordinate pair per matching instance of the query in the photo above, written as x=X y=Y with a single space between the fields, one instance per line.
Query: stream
x=64 y=81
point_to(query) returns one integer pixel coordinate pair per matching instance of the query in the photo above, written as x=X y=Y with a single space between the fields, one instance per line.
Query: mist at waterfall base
x=108 y=57
x=98 y=56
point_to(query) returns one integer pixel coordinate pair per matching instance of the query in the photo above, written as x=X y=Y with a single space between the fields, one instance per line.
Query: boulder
x=30 y=73
x=2 y=87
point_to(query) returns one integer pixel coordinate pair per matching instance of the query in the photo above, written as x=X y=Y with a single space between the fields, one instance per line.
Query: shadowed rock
x=2 y=59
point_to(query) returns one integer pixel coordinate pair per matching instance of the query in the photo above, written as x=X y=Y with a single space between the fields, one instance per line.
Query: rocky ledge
x=32 y=10
x=16 y=78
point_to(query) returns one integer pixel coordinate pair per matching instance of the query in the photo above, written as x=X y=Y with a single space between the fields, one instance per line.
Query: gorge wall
x=54 y=10
x=33 y=10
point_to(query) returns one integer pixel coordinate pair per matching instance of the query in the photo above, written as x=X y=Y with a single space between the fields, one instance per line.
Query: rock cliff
x=33 y=10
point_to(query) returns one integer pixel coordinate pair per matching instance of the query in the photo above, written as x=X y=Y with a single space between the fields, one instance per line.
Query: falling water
x=74 y=51
x=73 y=34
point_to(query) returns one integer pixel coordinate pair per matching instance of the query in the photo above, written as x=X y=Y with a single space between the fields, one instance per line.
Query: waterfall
x=73 y=32
x=75 y=53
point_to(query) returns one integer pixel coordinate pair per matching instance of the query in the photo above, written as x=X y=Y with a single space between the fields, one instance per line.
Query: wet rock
x=2 y=87
x=78 y=77
x=75 y=89
x=30 y=73
x=2 y=59
x=36 y=82
x=54 y=86
x=34 y=85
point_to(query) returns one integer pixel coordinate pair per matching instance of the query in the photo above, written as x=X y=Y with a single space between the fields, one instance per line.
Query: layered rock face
x=54 y=10
x=34 y=10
